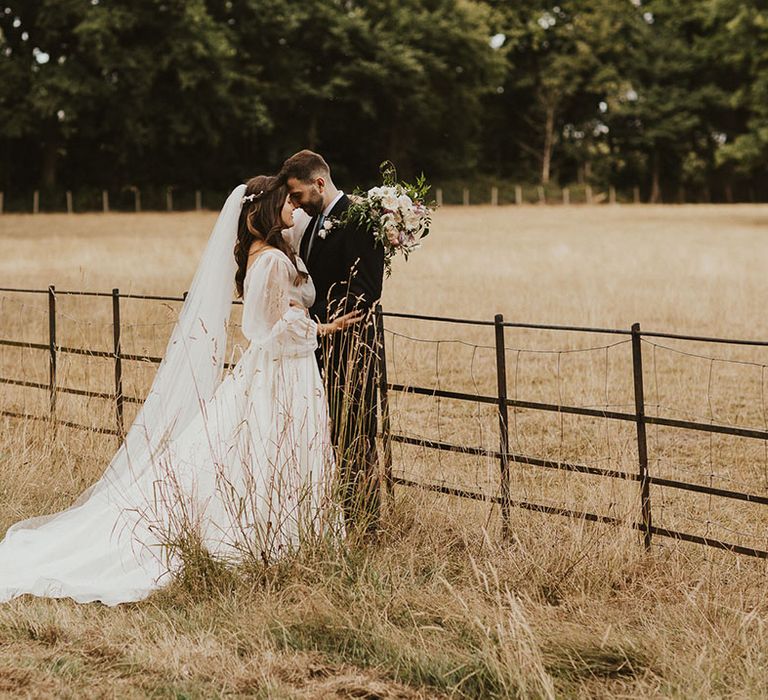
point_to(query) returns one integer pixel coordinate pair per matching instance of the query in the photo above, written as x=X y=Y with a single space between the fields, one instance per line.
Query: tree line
x=667 y=95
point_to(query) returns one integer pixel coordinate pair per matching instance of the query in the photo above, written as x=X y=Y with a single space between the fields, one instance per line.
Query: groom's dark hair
x=305 y=166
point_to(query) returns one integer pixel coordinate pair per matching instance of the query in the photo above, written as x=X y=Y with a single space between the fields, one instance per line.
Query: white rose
x=412 y=219
x=405 y=201
x=389 y=201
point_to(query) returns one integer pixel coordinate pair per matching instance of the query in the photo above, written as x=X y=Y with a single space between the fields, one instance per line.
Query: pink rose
x=393 y=235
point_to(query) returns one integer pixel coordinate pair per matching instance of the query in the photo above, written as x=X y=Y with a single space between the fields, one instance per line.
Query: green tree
x=668 y=95
x=744 y=45
x=561 y=62
x=126 y=91
x=44 y=81
x=365 y=81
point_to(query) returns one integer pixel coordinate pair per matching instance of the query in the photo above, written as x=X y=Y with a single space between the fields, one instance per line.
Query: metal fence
x=500 y=401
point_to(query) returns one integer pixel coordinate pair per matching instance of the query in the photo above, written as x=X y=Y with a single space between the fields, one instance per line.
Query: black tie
x=317 y=227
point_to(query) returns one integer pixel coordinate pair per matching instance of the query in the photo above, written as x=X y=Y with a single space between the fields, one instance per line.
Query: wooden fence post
x=642 y=444
x=501 y=381
x=494 y=196
x=105 y=201
x=70 y=206
x=386 y=427
x=198 y=200
x=169 y=198
x=36 y=202
x=588 y=193
x=518 y=194
x=611 y=194
x=566 y=196
x=136 y=199
x=439 y=196
x=116 y=333
x=465 y=196
x=542 y=195
x=52 y=348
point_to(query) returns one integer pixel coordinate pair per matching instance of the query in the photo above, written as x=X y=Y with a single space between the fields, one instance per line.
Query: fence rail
x=174 y=198
x=503 y=455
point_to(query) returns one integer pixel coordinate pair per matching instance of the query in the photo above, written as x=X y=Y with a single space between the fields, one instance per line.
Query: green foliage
x=745 y=29
x=203 y=93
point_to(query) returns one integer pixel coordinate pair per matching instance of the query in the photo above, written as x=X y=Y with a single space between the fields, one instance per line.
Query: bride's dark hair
x=260 y=219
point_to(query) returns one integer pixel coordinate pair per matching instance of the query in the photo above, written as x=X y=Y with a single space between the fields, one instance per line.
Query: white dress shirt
x=328 y=209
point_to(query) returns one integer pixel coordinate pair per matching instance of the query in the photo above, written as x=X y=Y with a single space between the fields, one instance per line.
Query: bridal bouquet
x=396 y=212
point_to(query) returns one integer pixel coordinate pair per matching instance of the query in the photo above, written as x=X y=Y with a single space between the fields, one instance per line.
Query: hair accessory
x=251 y=197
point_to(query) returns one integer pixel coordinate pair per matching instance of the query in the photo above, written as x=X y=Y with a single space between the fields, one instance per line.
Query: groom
x=347 y=268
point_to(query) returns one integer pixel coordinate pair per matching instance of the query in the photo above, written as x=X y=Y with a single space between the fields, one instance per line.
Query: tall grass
x=439 y=605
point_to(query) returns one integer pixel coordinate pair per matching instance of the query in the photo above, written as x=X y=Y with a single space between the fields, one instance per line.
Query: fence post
x=70 y=206
x=36 y=202
x=566 y=196
x=501 y=380
x=642 y=444
x=52 y=347
x=386 y=428
x=494 y=196
x=518 y=194
x=465 y=196
x=611 y=194
x=118 y=361
x=588 y=193
x=542 y=195
x=105 y=201
x=198 y=200
x=136 y=199
x=439 y=196
x=636 y=194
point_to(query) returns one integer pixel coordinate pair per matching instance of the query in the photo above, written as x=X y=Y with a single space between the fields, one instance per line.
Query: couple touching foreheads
x=254 y=461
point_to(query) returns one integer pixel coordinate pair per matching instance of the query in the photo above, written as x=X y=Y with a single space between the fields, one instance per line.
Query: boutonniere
x=327 y=227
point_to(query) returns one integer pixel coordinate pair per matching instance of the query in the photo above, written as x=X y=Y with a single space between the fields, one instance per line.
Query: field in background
x=588 y=612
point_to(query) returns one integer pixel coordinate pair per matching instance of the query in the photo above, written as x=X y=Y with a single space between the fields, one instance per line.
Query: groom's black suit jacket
x=347 y=266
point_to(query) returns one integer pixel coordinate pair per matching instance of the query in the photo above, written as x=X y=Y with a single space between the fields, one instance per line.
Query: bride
x=239 y=463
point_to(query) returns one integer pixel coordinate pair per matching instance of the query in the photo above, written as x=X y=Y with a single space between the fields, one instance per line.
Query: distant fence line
x=503 y=498
x=106 y=201
x=129 y=199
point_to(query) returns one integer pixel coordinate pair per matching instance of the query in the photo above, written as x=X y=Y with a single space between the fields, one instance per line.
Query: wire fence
x=586 y=431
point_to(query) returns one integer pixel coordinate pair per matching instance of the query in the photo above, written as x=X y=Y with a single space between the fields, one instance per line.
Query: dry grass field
x=440 y=606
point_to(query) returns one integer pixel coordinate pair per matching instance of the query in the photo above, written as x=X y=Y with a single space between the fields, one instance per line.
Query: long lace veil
x=188 y=375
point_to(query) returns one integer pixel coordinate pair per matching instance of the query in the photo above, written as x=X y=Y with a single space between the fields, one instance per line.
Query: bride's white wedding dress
x=240 y=461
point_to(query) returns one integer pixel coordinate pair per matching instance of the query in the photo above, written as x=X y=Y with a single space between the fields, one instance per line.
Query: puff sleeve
x=269 y=320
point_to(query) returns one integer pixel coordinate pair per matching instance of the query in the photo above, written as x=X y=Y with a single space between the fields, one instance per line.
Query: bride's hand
x=341 y=323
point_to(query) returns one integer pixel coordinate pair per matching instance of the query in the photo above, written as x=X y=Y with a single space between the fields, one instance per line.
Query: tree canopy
x=671 y=95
